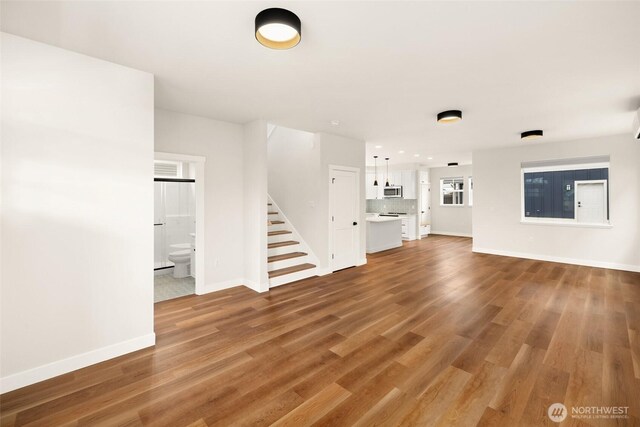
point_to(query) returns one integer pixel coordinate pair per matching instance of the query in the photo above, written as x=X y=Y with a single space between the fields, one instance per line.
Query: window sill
x=566 y=224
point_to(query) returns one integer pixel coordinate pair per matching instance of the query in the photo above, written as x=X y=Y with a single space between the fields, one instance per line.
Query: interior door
x=591 y=205
x=425 y=209
x=345 y=206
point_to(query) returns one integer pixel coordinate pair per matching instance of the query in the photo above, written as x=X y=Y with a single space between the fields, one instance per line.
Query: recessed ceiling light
x=452 y=164
x=378 y=146
x=335 y=122
x=429 y=158
x=531 y=134
x=401 y=152
x=416 y=155
x=278 y=28
x=450 y=116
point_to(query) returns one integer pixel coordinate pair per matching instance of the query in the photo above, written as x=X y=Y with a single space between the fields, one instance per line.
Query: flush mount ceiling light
x=452 y=164
x=278 y=28
x=450 y=116
x=531 y=134
x=335 y=122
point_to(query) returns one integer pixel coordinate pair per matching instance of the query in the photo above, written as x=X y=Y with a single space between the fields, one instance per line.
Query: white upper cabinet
x=409 y=184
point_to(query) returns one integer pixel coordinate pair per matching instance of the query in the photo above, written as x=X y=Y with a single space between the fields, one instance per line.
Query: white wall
x=77 y=236
x=451 y=220
x=299 y=182
x=222 y=145
x=294 y=178
x=341 y=151
x=497 y=206
x=255 y=206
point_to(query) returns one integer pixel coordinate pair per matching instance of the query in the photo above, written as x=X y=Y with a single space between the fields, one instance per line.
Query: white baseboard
x=73 y=363
x=449 y=233
x=256 y=287
x=213 y=287
x=323 y=271
x=362 y=261
x=562 y=260
x=383 y=248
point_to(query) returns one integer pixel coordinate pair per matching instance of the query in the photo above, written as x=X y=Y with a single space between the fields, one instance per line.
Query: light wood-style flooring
x=428 y=334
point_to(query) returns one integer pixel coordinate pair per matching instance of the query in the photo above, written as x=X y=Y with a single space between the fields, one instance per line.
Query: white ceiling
x=383 y=69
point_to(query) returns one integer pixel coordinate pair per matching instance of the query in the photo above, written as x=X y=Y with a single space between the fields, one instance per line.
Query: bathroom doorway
x=177 y=225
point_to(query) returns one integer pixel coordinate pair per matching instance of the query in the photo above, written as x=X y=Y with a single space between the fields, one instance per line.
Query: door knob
x=355 y=223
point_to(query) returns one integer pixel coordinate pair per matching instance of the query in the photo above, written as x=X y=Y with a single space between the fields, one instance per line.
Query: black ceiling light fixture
x=452 y=164
x=375 y=180
x=450 y=116
x=278 y=28
x=531 y=134
x=387 y=183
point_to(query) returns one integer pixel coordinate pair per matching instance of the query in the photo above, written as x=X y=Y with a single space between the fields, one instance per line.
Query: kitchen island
x=383 y=232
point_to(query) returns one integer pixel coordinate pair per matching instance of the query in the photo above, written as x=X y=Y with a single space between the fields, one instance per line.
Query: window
x=470 y=191
x=575 y=193
x=452 y=191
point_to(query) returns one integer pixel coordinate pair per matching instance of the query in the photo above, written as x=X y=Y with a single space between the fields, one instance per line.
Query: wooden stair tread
x=275 y=222
x=281 y=244
x=282 y=257
x=278 y=232
x=289 y=270
x=272 y=213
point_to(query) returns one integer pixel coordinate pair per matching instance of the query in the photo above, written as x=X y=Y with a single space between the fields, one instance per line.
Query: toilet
x=181 y=260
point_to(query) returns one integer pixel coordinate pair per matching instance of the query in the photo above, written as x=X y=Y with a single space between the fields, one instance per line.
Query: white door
x=345 y=207
x=591 y=202
x=425 y=209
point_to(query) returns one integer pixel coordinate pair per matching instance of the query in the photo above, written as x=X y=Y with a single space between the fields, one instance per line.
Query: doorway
x=178 y=225
x=344 y=217
x=591 y=202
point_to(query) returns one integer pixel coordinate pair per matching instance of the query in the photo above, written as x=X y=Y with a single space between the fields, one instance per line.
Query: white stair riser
x=280 y=238
x=288 y=278
x=276 y=227
x=287 y=263
x=283 y=250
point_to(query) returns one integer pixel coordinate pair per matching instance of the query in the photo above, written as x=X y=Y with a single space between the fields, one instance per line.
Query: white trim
x=604 y=200
x=219 y=286
x=330 y=224
x=362 y=261
x=450 y=233
x=566 y=223
x=456 y=205
x=384 y=247
x=563 y=260
x=158 y=155
x=256 y=287
x=571 y=167
x=73 y=363
x=198 y=162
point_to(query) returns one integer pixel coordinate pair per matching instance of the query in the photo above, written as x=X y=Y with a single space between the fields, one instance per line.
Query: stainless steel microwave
x=394 y=191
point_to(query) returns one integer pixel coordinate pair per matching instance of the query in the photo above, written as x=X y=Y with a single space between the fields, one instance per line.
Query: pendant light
x=277 y=28
x=375 y=180
x=387 y=183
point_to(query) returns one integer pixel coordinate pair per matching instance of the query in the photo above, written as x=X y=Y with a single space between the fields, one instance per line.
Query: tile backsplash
x=409 y=206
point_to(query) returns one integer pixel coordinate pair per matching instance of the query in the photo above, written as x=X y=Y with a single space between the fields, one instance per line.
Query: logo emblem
x=557 y=412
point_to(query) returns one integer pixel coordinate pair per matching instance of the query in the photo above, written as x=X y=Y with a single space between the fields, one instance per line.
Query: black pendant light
x=375 y=180
x=450 y=116
x=452 y=164
x=387 y=183
x=531 y=134
x=278 y=28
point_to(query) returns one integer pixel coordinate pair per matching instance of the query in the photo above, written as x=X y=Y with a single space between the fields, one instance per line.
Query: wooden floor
x=428 y=334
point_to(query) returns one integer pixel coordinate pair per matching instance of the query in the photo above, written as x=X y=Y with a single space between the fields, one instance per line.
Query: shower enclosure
x=174 y=220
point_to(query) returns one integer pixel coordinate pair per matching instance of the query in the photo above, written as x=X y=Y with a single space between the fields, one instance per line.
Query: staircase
x=289 y=258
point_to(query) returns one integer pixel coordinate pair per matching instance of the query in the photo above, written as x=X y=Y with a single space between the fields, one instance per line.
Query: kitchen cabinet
x=409 y=228
x=409 y=184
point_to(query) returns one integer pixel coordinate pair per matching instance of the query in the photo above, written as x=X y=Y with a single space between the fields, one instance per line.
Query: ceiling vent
x=163 y=169
x=636 y=124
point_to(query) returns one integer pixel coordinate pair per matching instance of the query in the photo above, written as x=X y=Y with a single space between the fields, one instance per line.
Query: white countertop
x=383 y=218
